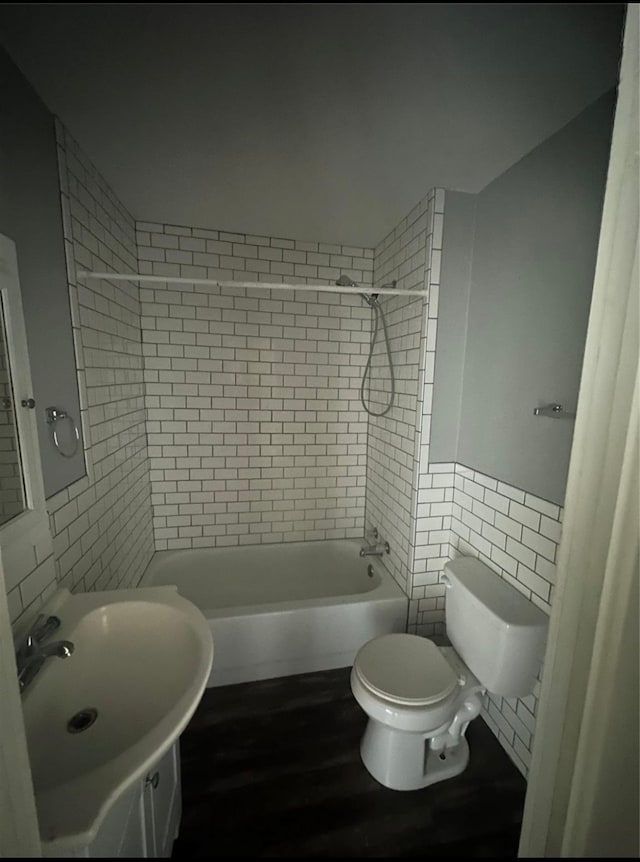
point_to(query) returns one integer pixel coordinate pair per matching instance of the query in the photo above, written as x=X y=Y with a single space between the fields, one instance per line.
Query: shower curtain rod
x=262 y=285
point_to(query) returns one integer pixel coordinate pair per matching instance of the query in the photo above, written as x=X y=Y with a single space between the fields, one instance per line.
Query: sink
x=141 y=662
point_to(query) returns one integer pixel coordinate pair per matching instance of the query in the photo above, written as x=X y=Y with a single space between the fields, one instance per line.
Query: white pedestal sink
x=142 y=658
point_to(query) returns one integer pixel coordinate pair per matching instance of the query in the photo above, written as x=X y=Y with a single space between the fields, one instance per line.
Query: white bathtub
x=276 y=610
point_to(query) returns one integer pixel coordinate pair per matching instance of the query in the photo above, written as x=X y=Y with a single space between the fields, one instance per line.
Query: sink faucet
x=30 y=656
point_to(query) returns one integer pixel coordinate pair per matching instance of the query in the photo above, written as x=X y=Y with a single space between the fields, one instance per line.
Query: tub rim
x=386 y=590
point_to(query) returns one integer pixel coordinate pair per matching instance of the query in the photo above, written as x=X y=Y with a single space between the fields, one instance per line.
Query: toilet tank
x=498 y=633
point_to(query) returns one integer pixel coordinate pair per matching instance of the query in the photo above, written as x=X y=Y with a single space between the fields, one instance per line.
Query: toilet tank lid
x=488 y=589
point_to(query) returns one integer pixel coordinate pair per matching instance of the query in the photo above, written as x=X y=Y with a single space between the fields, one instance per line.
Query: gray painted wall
x=30 y=215
x=309 y=120
x=536 y=238
x=453 y=304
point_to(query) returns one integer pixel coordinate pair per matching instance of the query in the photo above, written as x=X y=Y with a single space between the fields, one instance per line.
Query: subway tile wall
x=512 y=531
x=29 y=572
x=432 y=483
x=394 y=438
x=256 y=433
x=517 y=535
x=101 y=524
x=434 y=504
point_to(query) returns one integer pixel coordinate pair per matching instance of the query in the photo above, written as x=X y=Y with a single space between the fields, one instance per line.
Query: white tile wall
x=433 y=483
x=29 y=573
x=512 y=531
x=255 y=429
x=393 y=439
x=398 y=451
x=101 y=525
x=191 y=252
x=432 y=547
x=517 y=535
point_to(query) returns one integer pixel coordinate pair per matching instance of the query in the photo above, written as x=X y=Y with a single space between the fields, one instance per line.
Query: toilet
x=420 y=697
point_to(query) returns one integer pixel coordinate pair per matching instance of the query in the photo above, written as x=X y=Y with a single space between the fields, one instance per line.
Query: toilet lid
x=406 y=669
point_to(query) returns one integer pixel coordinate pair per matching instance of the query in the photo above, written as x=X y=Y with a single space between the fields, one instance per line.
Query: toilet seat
x=405 y=669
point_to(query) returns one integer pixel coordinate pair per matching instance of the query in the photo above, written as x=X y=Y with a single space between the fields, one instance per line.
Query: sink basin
x=142 y=659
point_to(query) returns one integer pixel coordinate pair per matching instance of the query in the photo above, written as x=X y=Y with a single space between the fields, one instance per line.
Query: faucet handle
x=27 y=644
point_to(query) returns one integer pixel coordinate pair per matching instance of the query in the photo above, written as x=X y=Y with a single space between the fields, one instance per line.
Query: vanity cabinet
x=143 y=822
x=162 y=805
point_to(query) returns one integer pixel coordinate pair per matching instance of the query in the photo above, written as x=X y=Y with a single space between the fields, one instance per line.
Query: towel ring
x=54 y=415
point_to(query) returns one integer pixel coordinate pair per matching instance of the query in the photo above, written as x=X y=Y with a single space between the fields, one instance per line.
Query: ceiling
x=309 y=121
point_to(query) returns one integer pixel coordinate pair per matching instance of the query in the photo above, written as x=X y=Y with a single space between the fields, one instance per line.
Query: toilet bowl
x=420 y=697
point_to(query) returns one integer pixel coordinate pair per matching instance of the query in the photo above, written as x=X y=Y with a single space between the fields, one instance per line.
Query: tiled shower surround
x=256 y=433
x=399 y=257
x=255 y=428
x=397 y=454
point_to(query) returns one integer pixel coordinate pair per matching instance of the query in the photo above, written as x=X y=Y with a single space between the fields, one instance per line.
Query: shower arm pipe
x=262 y=285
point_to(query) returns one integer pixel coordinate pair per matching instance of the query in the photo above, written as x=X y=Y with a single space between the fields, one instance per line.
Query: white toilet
x=420 y=697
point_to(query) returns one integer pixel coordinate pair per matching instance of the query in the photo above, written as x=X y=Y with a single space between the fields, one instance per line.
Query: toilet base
x=403 y=761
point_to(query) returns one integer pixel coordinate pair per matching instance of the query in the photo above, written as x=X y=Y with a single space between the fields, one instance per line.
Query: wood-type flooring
x=273 y=769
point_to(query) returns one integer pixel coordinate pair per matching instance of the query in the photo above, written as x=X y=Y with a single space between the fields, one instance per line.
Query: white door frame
x=582 y=798
x=19 y=834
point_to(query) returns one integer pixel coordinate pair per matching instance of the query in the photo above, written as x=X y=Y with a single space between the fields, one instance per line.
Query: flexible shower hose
x=377 y=314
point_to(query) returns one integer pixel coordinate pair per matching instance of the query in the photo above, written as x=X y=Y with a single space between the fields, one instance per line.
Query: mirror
x=23 y=513
x=12 y=492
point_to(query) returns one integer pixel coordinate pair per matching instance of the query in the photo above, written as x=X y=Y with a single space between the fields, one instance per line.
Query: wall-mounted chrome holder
x=53 y=415
x=553 y=411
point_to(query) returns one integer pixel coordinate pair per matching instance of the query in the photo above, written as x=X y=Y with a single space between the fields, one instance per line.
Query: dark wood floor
x=273 y=768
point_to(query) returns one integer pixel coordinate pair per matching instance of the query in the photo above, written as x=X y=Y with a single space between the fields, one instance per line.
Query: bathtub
x=276 y=610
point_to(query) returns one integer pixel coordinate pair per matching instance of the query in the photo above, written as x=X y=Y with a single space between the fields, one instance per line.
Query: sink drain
x=82 y=720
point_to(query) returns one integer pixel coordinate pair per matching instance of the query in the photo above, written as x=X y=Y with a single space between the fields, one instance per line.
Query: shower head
x=346 y=281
